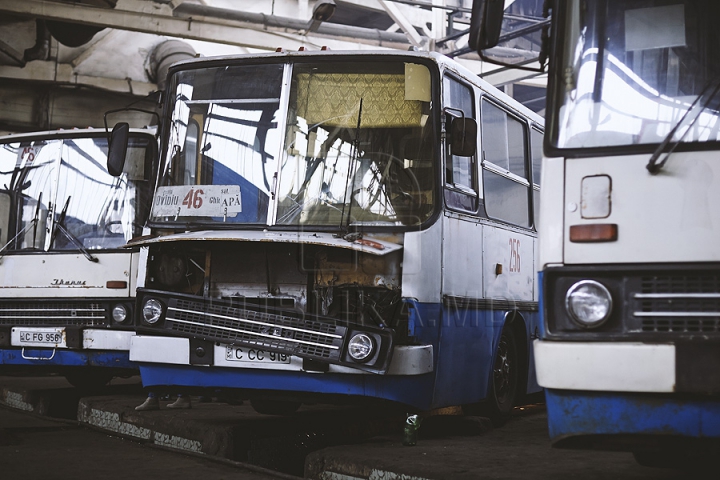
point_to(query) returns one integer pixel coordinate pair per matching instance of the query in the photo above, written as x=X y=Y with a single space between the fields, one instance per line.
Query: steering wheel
x=394 y=180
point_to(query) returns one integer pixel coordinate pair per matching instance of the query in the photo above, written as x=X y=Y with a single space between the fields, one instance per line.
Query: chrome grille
x=52 y=313
x=682 y=303
x=271 y=331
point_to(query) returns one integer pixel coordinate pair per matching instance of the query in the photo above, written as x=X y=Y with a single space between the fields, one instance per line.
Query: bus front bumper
x=96 y=347
x=612 y=366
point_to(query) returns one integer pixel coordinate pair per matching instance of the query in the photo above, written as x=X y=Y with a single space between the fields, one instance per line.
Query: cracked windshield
x=635 y=70
x=58 y=195
x=353 y=148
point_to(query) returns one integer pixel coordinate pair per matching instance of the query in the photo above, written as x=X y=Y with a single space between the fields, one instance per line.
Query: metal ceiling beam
x=49 y=71
x=402 y=22
x=217 y=31
x=11 y=53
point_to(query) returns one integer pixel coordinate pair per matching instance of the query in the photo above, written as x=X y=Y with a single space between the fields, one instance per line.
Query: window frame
x=458 y=197
x=486 y=165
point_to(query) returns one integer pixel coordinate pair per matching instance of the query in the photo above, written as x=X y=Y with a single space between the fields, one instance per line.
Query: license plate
x=253 y=355
x=40 y=337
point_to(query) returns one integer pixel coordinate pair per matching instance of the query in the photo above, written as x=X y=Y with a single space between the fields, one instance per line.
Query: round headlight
x=152 y=310
x=360 y=347
x=589 y=303
x=119 y=313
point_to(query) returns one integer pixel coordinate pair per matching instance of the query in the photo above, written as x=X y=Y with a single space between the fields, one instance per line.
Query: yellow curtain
x=333 y=99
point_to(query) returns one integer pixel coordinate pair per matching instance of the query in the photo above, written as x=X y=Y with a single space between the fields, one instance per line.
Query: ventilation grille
x=679 y=303
x=52 y=314
x=270 y=331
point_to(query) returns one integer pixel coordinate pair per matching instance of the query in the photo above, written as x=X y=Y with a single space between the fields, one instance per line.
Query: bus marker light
x=594 y=232
x=116 y=284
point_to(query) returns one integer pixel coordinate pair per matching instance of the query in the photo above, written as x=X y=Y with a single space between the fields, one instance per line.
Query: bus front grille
x=270 y=331
x=52 y=314
x=680 y=303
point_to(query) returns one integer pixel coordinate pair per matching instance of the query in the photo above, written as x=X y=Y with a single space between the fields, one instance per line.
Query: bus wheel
x=274 y=407
x=505 y=376
x=88 y=379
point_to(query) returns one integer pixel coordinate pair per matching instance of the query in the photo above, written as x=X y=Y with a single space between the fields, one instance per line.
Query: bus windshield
x=341 y=144
x=629 y=72
x=66 y=178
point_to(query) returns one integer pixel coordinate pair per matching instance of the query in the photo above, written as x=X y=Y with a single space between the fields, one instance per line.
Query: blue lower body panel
x=413 y=390
x=48 y=357
x=574 y=417
x=464 y=341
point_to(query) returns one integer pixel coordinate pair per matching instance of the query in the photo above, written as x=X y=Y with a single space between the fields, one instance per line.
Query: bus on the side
x=331 y=226
x=67 y=287
x=629 y=353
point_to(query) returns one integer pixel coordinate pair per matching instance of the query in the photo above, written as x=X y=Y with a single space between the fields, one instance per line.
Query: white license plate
x=253 y=355
x=38 y=337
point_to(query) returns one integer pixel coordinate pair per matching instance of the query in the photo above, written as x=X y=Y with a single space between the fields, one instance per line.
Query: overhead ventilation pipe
x=41 y=49
x=289 y=25
x=165 y=54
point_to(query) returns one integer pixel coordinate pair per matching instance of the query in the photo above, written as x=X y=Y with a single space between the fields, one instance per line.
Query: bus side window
x=461 y=186
x=536 y=151
x=505 y=166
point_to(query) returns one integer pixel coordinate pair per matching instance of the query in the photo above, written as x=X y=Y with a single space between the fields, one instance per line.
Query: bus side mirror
x=117 y=149
x=485 y=23
x=463 y=136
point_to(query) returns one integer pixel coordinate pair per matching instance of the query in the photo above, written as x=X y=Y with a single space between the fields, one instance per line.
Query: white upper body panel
x=67 y=275
x=670 y=217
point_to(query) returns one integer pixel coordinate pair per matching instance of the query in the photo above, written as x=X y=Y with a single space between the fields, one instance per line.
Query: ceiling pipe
x=41 y=49
x=286 y=24
x=165 y=54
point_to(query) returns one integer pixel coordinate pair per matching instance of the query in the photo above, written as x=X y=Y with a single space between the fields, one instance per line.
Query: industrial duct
x=165 y=54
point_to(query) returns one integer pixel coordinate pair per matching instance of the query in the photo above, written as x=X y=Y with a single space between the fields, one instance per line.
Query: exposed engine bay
x=294 y=288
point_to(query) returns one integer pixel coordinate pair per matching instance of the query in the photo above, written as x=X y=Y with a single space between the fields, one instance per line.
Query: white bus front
x=630 y=223
x=66 y=286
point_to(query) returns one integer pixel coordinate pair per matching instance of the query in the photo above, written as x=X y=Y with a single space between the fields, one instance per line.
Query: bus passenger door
x=509 y=240
x=460 y=379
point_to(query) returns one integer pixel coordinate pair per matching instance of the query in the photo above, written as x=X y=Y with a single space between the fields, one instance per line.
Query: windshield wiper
x=654 y=165
x=351 y=171
x=60 y=225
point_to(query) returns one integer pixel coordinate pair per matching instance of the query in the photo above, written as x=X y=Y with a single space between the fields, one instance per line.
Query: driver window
x=461 y=186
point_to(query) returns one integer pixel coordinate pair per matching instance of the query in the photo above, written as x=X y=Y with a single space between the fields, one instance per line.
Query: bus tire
x=504 y=385
x=274 y=407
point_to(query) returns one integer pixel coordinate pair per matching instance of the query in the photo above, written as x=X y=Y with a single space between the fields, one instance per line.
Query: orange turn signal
x=116 y=284
x=594 y=232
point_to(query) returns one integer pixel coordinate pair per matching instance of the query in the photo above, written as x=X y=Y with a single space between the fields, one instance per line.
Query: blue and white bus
x=629 y=251
x=67 y=288
x=342 y=224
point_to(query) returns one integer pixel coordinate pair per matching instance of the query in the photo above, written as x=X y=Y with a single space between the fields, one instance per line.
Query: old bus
x=630 y=221
x=67 y=287
x=342 y=224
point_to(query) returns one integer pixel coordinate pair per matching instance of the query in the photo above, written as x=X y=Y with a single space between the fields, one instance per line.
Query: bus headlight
x=589 y=303
x=360 y=347
x=152 y=311
x=119 y=313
